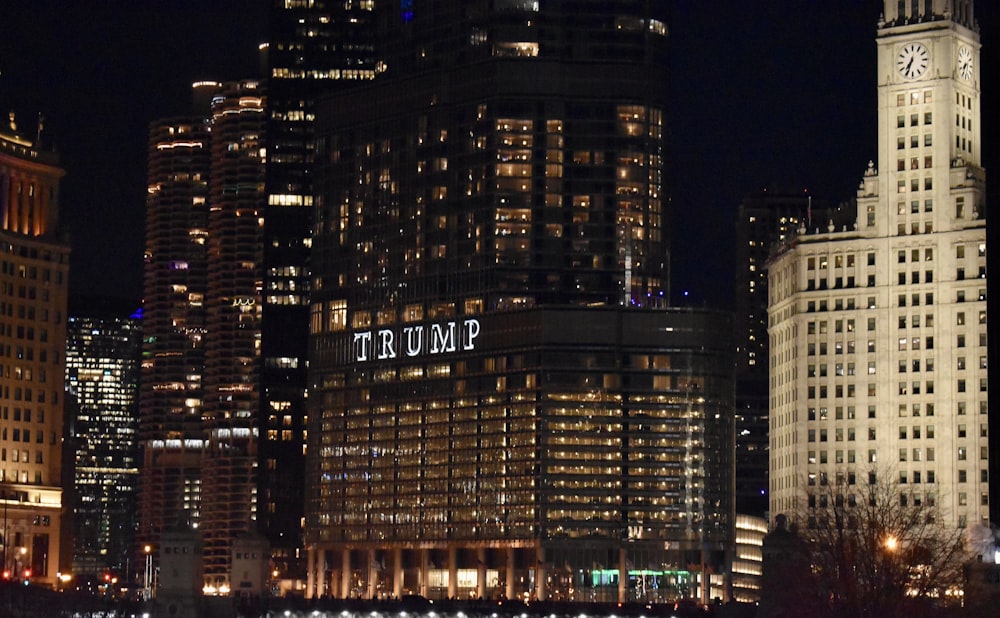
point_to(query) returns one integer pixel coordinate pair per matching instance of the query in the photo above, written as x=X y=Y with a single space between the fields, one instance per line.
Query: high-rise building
x=171 y=390
x=765 y=221
x=103 y=346
x=232 y=339
x=501 y=404
x=878 y=331
x=34 y=268
x=313 y=47
x=201 y=354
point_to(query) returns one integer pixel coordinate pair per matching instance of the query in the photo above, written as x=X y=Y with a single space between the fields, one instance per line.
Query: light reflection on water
x=541 y=610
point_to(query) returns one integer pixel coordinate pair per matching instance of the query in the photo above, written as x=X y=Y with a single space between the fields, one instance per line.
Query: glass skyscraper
x=501 y=402
x=102 y=378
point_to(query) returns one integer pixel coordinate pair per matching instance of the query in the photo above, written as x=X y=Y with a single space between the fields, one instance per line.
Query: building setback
x=877 y=331
x=500 y=402
x=34 y=268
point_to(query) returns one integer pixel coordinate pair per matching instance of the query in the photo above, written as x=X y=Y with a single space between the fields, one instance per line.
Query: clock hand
x=909 y=64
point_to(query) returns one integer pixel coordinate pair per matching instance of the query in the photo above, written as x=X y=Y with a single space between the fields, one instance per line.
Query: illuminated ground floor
x=557 y=573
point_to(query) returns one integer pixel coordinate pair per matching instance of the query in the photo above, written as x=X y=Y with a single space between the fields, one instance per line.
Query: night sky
x=776 y=94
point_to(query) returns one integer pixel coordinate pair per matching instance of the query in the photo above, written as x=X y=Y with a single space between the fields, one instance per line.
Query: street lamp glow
x=891 y=542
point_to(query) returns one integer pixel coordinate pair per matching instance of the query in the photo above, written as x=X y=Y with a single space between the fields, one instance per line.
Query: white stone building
x=878 y=356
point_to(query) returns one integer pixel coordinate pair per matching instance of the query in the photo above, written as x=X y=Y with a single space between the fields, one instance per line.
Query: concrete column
x=481 y=573
x=372 y=574
x=397 y=573
x=320 y=576
x=540 y=573
x=452 y=572
x=41 y=206
x=345 y=574
x=4 y=198
x=311 y=573
x=622 y=576
x=510 y=573
x=424 y=572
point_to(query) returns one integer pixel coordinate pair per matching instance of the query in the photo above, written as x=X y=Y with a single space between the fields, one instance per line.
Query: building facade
x=501 y=405
x=173 y=357
x=233 y=301
x=103 y=348
x=764 y=221
x=171 y=392
x=878 y=330
x=748 y=561
x=313 y=47
x=34 y=269
x=200 y=394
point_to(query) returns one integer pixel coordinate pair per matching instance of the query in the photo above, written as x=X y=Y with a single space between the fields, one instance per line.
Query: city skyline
x=476 y=309
x=744 y=112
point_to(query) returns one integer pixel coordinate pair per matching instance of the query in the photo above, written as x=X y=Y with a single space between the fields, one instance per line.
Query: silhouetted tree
x=879 y=548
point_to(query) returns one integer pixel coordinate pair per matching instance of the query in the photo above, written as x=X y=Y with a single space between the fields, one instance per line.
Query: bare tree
x=880 y=549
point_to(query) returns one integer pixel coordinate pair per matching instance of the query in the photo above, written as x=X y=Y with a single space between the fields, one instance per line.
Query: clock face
x=965 y=63
x=913 y=60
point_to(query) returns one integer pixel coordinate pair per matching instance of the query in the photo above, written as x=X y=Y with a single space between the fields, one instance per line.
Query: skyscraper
x=765 y=221
x=201 y=353
x=34 y=267
x=313 y=47
x=878 y=330
x=500 y=402
x=102 y=376
x=233 y=314
x=171 y=392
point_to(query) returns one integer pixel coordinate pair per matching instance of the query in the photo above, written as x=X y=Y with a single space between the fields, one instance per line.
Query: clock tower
x=929 y=119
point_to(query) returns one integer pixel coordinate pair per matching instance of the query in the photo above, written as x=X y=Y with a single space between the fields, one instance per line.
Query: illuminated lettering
x=471 y=332
x=444 y=337
x=442 y=340
x=362 y=342
x=414 y=339
x=385 y=346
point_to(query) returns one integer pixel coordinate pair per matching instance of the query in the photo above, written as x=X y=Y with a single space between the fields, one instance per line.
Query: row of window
x=23 y=271
x=20 y=476
x=21 y=456
x=18 y=435
x=5 y=414
x=24 y=332
x=29 y=292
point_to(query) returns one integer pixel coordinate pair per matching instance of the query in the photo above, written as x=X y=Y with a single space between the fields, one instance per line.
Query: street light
x=147 y=571
x=891 y=542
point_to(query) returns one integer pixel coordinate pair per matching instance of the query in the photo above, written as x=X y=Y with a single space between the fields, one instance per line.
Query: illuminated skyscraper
x=878 y=329
x=313 y=47
x=201 y=353
x=501 y=404
x=34 y=264
x=102 y=377
x=174 y=325
x=233 y=313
